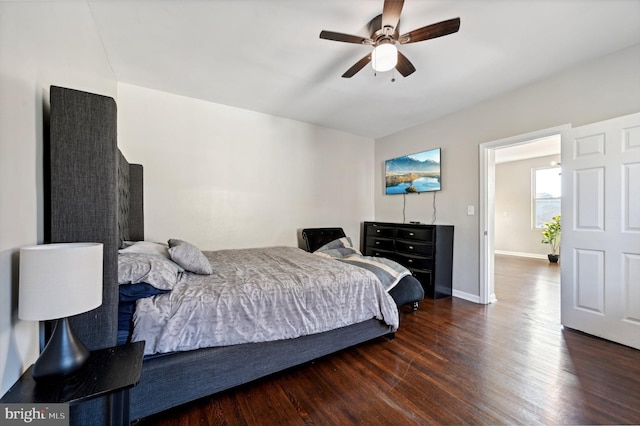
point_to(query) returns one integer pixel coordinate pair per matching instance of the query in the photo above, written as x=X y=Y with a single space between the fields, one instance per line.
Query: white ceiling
x=266 y=56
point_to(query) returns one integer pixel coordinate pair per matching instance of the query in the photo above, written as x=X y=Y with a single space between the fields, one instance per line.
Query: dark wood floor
x=452 y=362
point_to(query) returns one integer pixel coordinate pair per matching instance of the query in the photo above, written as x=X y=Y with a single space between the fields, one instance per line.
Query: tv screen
x=413 y=173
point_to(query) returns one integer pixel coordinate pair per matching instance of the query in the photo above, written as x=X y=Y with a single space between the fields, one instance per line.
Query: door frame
x=487 y=204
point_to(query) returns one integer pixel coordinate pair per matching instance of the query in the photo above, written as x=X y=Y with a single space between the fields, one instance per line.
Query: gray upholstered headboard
x=130 y=201
x=87 y=199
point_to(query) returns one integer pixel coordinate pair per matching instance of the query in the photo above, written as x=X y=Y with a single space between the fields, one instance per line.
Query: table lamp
x=58 y=281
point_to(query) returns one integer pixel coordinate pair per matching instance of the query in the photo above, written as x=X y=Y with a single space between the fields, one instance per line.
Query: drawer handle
x=377 y=242
x=377 y=230
x=411 y=233
x=410 y=260
x=410 y=247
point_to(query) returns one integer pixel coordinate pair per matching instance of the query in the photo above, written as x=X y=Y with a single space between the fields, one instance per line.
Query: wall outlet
x=471 y=210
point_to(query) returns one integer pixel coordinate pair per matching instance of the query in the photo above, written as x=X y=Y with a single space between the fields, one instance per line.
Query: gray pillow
x=189 y=257
x=149 y=268
x=145 y=247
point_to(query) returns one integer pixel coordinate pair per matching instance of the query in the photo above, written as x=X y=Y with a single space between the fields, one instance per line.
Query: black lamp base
x=64 y=354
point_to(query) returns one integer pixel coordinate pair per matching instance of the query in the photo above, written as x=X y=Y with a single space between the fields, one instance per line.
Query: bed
x=93 y=194
x=253 y=295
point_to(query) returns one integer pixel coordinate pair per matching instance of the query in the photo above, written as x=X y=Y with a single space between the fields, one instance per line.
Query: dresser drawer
x=380 y=231
x=415 y=234
x=380 y=243
x=414 y=247
x=414 y=262
x=372 y=251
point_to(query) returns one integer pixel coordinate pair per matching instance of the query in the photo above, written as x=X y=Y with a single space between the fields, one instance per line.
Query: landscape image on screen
x=413 y=173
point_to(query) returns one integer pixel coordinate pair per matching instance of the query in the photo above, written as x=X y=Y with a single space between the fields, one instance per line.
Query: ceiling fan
x=385 y=36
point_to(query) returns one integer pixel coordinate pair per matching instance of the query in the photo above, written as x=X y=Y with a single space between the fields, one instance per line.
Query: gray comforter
x=257 y=295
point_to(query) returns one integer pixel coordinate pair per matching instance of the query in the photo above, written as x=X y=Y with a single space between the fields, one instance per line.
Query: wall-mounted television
x=413 y=173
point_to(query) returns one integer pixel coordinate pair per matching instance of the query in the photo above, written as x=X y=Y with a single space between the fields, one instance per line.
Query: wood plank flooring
x=452 y=362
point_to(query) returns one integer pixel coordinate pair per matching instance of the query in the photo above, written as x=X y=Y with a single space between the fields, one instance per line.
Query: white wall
x=224 y=177
x=513 y=201
x=41 y=43
x=605 y=88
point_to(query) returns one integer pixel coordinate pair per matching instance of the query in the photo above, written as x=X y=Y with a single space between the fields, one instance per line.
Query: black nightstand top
x=106 y=371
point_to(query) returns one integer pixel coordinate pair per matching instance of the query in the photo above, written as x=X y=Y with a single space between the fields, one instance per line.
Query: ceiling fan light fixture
x=384 y=57
x=384 y=38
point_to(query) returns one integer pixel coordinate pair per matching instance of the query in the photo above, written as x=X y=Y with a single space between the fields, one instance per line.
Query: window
x=546 y=195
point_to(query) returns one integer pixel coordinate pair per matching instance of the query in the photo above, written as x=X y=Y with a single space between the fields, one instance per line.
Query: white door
x=600 y=248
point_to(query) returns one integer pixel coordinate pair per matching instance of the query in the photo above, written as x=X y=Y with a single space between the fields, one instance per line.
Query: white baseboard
x=520 y=254
x=466 y=296
x=472 y=297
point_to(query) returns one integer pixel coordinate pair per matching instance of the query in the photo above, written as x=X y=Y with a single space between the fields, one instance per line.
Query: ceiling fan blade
x=357 y=66
x=347 y=38
x=431 y=31
x=404 y=66
x=391 y=13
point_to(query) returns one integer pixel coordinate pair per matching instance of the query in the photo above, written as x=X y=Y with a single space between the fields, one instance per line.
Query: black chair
x=408 y=291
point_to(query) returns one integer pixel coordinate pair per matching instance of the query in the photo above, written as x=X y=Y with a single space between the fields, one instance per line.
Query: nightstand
x=108 y=372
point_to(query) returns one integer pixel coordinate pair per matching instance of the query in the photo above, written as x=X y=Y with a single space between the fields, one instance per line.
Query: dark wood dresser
x=426 y=250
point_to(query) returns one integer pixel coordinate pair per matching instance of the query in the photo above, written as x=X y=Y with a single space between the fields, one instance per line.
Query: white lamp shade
x=59 y=280
x=384 y=57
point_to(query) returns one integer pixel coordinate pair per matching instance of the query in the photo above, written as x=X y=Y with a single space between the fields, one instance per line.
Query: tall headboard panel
x=130 y=201
x=136 y=203
x=84 y=193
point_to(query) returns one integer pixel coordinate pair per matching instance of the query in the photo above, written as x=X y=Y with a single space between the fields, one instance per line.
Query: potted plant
x=551 y=235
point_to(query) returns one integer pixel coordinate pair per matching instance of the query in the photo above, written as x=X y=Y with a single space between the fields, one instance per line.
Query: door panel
x=631 y=274
x=632 y=197
x=600 y=250
x=589 y=199
x=590 y=280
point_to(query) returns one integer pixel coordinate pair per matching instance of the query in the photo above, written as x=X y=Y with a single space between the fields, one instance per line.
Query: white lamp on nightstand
x=58 y=281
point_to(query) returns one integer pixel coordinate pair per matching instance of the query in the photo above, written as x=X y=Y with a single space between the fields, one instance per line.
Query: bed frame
x=93 y=194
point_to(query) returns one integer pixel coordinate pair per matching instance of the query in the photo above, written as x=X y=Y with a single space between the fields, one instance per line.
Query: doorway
x=527 y=195
x=487 y=155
